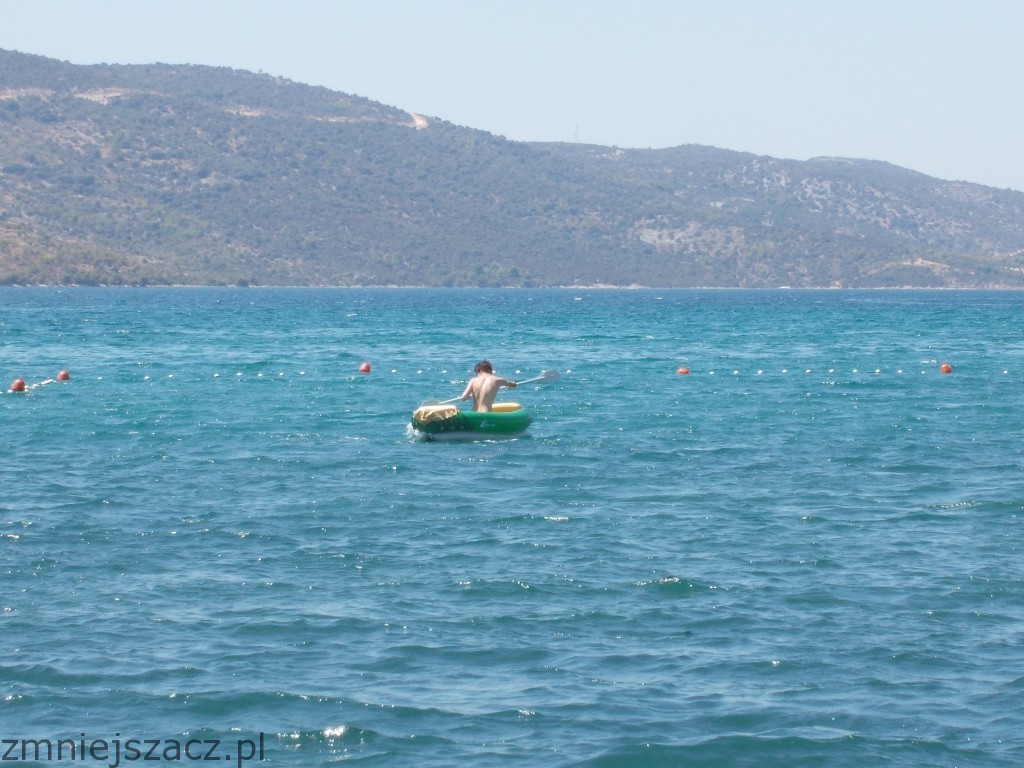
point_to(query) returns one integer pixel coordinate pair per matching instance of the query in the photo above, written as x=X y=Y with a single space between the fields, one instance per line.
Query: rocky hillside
x=193 y=175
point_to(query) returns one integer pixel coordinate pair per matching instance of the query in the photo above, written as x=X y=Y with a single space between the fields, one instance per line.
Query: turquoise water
x=806 y=552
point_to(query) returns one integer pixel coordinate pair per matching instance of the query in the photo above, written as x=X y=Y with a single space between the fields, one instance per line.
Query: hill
x=190 y=175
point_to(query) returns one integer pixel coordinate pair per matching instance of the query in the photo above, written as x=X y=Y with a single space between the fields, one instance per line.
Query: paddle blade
x=545 y=376
x=439 y=402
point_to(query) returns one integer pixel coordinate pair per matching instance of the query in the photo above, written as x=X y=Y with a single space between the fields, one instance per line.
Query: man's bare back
x=483 y=388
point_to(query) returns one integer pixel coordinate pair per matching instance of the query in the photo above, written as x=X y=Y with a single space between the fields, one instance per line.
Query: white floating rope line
x=942 y=369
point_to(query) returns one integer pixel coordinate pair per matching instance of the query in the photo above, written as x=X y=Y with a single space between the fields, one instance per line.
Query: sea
x=746 y=528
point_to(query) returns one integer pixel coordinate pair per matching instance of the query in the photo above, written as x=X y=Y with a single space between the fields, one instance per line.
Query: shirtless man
x=483 y=388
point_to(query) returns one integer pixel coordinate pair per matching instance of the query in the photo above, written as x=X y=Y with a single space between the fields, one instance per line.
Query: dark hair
x=483 y=365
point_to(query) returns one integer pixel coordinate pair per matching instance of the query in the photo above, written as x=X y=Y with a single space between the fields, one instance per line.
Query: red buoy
x=683 y=370
x=18 y=385
x=945 y=368
x=364 y=368
x=63 y=376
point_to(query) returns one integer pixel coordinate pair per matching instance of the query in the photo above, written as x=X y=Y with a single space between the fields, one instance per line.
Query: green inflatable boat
x=446 y=422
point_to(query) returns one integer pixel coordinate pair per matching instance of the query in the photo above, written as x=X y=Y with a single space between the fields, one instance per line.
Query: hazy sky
x=931 y=85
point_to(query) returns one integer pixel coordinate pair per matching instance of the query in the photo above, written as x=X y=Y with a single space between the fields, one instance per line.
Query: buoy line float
x=18 y=386
x=944 y=368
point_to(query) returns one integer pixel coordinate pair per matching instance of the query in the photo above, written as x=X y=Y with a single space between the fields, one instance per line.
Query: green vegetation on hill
x=194 y=175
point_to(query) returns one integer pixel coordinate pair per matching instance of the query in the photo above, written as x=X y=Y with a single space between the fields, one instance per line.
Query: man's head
x=484 y=366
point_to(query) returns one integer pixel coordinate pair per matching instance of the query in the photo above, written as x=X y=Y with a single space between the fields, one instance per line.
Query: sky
x=930 y=85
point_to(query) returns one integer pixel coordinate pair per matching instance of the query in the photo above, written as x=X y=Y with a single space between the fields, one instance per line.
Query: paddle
x=545 y=376
x=439 y=402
